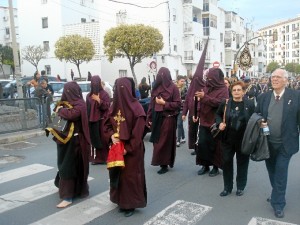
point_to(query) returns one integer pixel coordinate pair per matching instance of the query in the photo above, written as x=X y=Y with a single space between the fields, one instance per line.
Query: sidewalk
x=20 y=136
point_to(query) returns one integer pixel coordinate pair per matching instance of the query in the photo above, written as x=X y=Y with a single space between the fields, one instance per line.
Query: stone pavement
x=20 y=135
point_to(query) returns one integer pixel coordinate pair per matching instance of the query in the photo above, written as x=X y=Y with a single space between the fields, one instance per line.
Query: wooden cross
x=118 y=119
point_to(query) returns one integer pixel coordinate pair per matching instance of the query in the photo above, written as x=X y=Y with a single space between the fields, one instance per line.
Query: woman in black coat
x=238 y=112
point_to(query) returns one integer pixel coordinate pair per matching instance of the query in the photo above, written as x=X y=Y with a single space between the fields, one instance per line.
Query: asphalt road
x=177 y=197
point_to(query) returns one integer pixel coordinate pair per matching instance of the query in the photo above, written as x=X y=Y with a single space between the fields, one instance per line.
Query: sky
x=261 y=13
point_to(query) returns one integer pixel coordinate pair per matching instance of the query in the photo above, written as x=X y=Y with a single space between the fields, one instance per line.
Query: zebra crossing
x=178 y=213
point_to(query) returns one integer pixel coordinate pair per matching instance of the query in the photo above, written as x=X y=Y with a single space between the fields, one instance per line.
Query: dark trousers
x=242 y=163
x=206 y=147
x=180 y=129
x=277 y=166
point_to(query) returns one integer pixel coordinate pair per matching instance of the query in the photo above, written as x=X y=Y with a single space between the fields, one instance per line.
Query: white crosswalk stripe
x=27 y=195
x=264 y=221
x=180 y=213
x=80 y=213
x=23 y=172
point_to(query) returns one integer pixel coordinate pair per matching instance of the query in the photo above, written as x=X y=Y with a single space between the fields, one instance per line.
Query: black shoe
x=214 y=172
x=121 y=210
x=279 y=213
x=193 y=153
x=203 y=170
x=239 y=192
x=163 y=170
x=128 y=212
x=225 y=193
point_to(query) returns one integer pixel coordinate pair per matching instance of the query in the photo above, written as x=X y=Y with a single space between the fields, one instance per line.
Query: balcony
x=296 y=54
x=296 y=46
x=192 y=28
x=295 y=37
x=206 y=31
x=295 y=28
x=6 y=36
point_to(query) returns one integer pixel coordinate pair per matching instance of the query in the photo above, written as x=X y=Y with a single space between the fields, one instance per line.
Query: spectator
x=238 y=112
x=72 y=75
x=180 y=129
x=144 y=88
x=281 y=109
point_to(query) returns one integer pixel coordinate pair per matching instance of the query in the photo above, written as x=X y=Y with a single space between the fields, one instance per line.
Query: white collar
x=280 y=95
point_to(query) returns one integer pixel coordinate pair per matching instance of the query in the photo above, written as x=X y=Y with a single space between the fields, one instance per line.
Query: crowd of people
x=109 y=132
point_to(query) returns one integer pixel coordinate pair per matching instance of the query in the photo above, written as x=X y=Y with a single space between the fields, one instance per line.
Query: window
x=122 y=73
x=205 y=5
x=45 y=22
x=174 y=15
x=221 y=37
x=46 y=46
x=82 y=2
x=287 y=28
x=83 y=20
x=175 y=45
x=44 y=1
x=7 y=32
x=48 y=69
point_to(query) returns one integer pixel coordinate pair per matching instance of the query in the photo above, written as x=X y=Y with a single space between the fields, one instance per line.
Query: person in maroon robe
x=125 y=123
x=189 y=108
x=161 y=117
x=73 y=156
x=98 y=103
x=208 y=150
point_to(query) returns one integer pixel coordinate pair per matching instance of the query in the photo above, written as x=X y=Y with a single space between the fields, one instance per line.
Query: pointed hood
x=197 y=81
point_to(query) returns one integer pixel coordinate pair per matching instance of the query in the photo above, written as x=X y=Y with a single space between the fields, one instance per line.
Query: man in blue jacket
x=281 y=110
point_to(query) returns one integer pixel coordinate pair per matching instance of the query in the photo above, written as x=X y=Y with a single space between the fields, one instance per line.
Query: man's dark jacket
x=290 y=117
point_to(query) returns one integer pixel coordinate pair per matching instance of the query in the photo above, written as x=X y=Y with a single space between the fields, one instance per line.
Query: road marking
x=80 y=213
x=27 y=195
x=264 y=221
x=23 y=172
x=180 y=213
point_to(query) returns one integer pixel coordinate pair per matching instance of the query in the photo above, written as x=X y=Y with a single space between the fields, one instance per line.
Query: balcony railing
x=295 y=28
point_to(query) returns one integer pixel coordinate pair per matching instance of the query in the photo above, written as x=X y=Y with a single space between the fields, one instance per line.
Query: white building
x=5 y=32
x=184 y=24
x=286 y=48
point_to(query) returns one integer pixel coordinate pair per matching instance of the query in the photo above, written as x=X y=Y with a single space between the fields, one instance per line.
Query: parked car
x=3 y=83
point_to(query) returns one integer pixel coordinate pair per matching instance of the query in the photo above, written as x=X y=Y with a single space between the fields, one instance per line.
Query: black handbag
x=59 y=124
x=214 y=129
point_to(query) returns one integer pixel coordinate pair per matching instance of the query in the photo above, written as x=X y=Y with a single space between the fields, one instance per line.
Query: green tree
x=297 y=70
x=75 y=49
x=34 y=54
x=135 y=42
x=272 y=66
x=6 y=56
x=291 y=67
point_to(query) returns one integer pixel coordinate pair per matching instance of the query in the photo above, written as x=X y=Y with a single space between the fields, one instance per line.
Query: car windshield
x=85 y=87
x=9 y=84
x=57 y=86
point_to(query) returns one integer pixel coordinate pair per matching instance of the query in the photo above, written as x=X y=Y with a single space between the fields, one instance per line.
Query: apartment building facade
x=286 y=48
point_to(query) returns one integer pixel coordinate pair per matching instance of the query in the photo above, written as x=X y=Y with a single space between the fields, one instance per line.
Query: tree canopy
x=75 y=49
x=272 y=66
x=291 y=67
x=135 y=42
x=6 y=56
x=33 y=54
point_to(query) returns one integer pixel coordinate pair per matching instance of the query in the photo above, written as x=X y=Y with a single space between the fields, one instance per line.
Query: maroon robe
x=164 y=149
x=73 y=163
x=131 y=191
x=189 y=104
x=97 y=113
x=215 y=93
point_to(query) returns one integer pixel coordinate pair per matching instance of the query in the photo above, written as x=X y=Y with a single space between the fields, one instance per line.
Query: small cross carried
x=118 y=119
